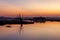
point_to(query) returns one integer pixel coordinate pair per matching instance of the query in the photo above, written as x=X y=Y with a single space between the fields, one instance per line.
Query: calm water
x=37 y=31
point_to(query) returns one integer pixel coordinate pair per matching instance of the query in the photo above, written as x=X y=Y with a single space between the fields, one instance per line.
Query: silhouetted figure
x=21 y=22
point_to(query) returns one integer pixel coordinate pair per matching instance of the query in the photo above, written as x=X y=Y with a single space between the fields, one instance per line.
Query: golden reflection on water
x=48 y=29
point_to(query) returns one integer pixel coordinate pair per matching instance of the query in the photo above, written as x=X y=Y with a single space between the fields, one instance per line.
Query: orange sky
x=30 y=7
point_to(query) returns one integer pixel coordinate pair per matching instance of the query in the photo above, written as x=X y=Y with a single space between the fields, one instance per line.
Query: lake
x=36 y=31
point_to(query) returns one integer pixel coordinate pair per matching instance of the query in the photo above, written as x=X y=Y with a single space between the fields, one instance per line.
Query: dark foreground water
x=37 y=31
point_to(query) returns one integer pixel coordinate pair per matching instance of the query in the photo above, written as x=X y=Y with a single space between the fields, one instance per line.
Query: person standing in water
x=21 y=21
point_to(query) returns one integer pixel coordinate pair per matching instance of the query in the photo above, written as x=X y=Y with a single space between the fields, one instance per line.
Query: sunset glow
x=30 y=7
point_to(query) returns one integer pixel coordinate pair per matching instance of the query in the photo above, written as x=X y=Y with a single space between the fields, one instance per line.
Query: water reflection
x=48 y=30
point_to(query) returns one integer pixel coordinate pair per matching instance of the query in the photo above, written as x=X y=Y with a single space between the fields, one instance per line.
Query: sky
x=30 y=7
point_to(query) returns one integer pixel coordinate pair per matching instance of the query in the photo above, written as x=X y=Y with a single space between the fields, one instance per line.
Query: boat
x=27 y=22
